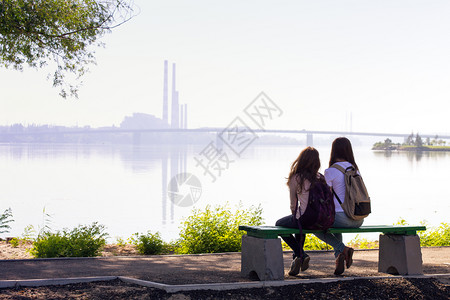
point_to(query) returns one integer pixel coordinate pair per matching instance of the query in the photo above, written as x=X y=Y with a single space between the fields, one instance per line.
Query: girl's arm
x=293 y=195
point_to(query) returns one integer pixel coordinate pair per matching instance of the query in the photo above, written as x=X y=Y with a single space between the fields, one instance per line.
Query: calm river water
x=127 y=188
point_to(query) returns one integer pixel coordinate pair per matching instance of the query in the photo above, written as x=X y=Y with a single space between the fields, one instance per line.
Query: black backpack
x=319 y=214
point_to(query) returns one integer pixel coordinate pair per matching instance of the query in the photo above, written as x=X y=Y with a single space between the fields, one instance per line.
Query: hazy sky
x=384 y=62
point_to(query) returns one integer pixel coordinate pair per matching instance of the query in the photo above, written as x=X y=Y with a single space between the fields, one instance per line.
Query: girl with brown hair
x=304 y=173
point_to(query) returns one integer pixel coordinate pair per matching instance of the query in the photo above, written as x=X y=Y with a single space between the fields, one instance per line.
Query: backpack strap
x=334 y=193
x=340 y=168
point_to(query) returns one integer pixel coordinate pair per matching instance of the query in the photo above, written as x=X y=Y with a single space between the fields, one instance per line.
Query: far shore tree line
x=413 y=140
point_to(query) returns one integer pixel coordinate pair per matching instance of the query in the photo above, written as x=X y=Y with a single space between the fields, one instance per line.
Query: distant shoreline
x=412 y=148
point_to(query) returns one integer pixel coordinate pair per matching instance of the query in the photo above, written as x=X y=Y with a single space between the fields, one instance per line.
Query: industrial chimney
x=165 y=95
x=175 y=107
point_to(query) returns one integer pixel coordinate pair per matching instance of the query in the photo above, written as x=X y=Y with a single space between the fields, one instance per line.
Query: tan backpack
x=356 y=204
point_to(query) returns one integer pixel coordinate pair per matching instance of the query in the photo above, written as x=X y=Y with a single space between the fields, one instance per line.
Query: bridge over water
x=136 y=133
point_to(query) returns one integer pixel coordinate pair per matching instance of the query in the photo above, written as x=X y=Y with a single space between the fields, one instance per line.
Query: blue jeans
x=296 y=243
x=335 y=239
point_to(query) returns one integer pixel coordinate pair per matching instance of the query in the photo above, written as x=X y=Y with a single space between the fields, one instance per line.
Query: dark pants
x=296 y=243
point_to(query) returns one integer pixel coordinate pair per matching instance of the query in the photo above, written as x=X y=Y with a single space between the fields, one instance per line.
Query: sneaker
x=348 y=252
x=340 y=264
x=295 y=266
x=305 y=264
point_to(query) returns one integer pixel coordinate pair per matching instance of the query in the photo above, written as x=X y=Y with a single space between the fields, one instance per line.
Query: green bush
x=362 y=243
x=314 y=243
x=435 y=236
x=311 y=243
x=148 y=244
x=216 y=230
x=82 y=241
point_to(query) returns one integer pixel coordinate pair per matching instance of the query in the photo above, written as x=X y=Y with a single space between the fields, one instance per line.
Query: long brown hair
x=306 y=166
x=342 y=149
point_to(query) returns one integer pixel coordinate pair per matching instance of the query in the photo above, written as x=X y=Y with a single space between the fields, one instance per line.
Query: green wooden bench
x=399 y=249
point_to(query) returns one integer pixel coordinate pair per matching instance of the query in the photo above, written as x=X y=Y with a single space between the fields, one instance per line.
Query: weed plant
x=216 y=229
x=121 y=242
x=5 y=219
x=82 y=241
x=14 y=242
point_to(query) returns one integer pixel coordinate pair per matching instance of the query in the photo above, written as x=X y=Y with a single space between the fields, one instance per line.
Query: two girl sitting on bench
x=304 y=172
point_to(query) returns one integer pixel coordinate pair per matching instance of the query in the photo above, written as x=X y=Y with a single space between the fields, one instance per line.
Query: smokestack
x=165 y=95
x=175 y=107
x=185 y=116
x=182 y=107
x=175 y=111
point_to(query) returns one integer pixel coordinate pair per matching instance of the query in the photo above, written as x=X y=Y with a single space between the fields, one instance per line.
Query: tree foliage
x=418 y=142
x=36 y=32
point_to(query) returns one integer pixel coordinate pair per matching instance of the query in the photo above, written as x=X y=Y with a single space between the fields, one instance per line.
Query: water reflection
x=84 y=183
x=171 y=159
x=166 y=160
x=412 y=156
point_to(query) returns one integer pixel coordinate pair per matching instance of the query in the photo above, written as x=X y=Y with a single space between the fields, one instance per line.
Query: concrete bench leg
x=262 y=257
x=400 y=254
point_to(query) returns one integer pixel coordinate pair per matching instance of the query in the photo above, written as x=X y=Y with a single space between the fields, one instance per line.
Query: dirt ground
x=164 y=269
x=396 y=288
x=7 y=251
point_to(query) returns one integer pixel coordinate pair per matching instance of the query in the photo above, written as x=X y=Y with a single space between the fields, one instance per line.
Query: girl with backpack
x=304 y=174
x=341 y=155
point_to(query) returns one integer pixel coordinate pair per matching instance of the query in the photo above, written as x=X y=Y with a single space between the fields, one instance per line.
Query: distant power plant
x=178 y=112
